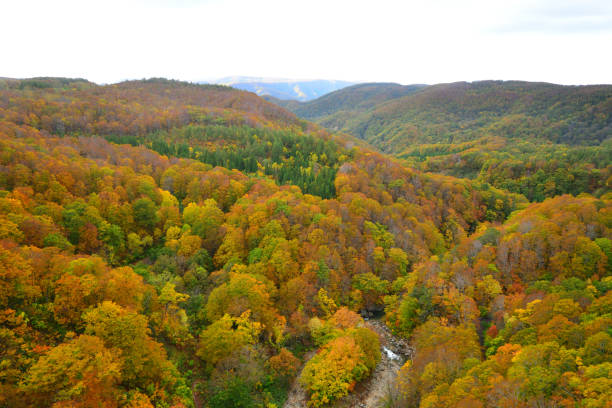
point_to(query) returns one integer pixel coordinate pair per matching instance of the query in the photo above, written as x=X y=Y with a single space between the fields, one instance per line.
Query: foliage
x=132 y=278
x=344 y=359
x=536 y=139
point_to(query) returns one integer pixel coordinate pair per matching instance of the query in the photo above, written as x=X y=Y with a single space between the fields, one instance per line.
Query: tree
x=243 y=293
x=333 y=372
x=400 y=260
x=144 y=360
x=188 y=245
x=205 y=222
x=226 y=336
x=372 y=289
x=81 y=373
x=369 y=344
x=73 y=294
x=173 y=317
x=284 y=365
x=598 y=348
x=145 y=213
x=15 y=278
x=232 y=248
x=345 y=318
x=326 y=304
x=486 y=290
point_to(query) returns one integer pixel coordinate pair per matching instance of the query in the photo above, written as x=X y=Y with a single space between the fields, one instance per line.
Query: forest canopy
x=174 y=245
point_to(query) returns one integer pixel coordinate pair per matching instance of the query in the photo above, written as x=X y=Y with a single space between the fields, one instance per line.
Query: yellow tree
x=243 y=293
x=144 y=360
x=80 y=373
x=226 y=336
x=333 y=372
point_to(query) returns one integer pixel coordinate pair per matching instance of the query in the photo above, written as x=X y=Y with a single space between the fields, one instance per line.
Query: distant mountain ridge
x=291 y=89
x=391 y=116
x=351 y=100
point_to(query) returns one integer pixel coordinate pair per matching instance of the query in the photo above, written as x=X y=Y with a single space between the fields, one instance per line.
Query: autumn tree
x=80 y=373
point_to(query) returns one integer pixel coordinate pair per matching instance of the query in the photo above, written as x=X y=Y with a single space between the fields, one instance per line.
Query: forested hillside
x=348 y=101
x=175 y=245
x=536 y=139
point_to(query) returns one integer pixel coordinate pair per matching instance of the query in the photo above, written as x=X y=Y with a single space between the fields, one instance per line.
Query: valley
x=171 y=244
x=536 y=139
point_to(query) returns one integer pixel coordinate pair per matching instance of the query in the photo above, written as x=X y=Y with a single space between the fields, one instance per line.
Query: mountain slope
x=465 y=111
x=160 y=244
x=356 y=98
x=173 y=245
x=538 y=139
x=462 y=111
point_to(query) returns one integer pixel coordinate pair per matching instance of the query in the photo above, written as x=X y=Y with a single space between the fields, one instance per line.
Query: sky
x=426 y=41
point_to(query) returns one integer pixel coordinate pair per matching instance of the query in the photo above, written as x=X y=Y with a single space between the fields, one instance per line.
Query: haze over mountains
x=351 y=99
x=291 y=89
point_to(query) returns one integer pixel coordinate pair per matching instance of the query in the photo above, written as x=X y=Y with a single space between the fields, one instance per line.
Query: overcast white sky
x=426 y=41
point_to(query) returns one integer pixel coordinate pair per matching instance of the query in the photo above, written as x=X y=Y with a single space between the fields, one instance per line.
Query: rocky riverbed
x=394 y=353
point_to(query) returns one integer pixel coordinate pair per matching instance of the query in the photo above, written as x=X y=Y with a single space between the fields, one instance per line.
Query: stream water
x=391 y=355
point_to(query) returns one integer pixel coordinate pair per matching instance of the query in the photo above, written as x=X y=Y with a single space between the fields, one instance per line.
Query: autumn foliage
x=136 y=273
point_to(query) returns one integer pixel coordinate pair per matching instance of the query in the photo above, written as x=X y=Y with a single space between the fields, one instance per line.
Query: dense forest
x=165 y=244
x=536 y=139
